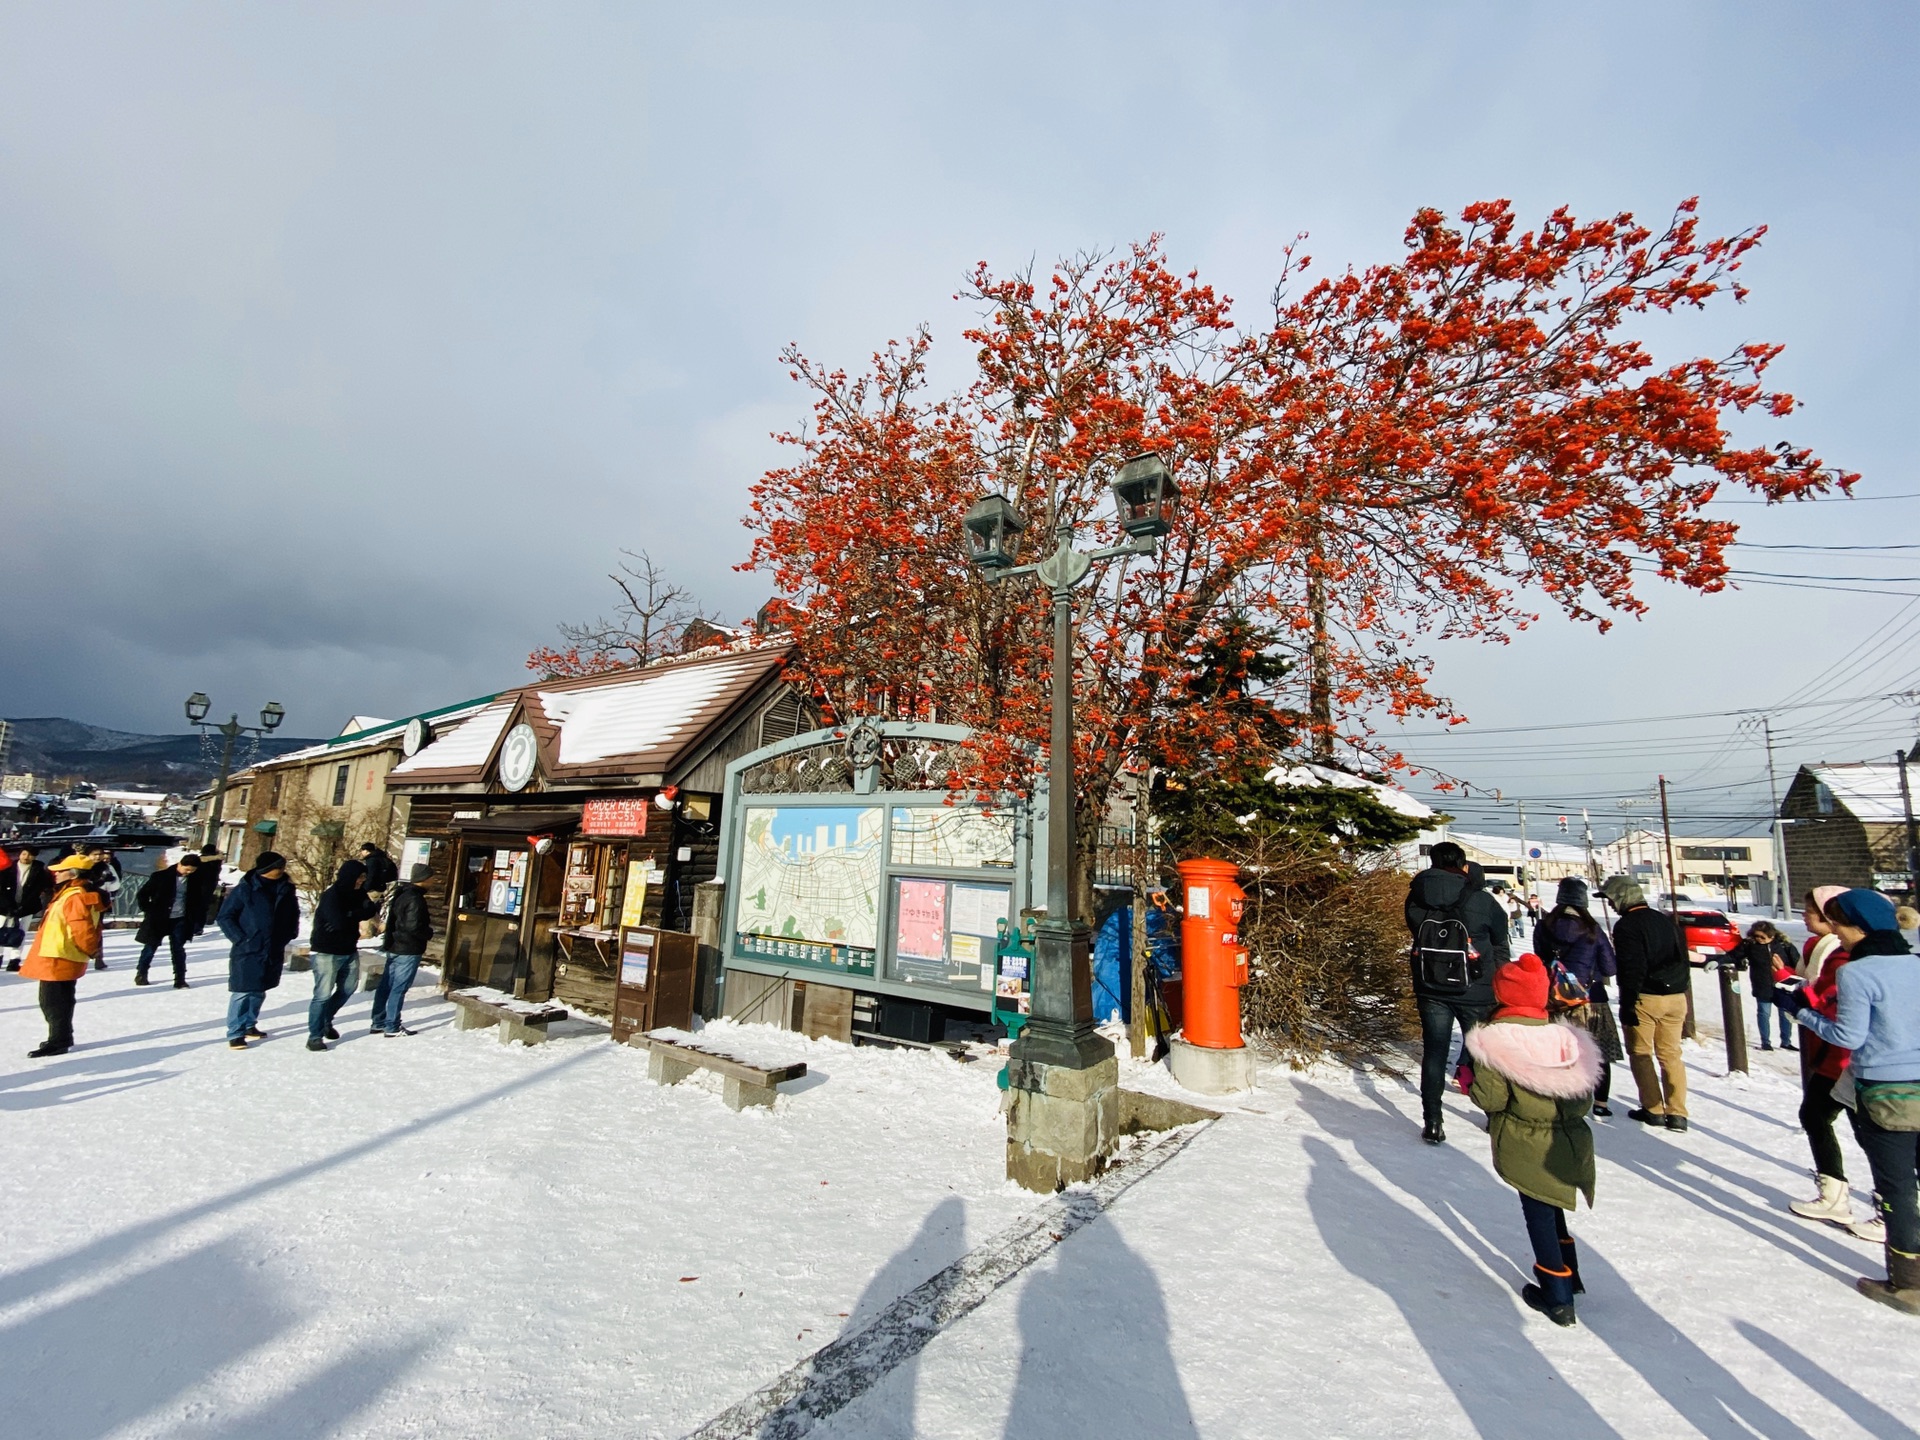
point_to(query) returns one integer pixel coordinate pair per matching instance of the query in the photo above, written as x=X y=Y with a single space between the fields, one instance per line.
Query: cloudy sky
x=342 y=346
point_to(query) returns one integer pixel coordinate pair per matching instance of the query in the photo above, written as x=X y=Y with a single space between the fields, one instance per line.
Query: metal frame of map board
x=804 y=960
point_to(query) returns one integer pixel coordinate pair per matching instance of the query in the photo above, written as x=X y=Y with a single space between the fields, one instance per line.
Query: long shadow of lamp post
x=1063 y=1077
x=271 y=714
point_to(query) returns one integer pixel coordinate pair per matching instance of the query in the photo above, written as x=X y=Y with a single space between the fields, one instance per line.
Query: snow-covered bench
x=522 y=1020
x=671 y=1061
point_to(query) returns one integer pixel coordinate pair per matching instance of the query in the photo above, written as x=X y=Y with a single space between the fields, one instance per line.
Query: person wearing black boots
x=166 y=902
x=1535 y=1079
x=1459 y=939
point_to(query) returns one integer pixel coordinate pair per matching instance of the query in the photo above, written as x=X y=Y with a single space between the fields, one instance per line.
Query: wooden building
x=560 y=815
x=1846 y=825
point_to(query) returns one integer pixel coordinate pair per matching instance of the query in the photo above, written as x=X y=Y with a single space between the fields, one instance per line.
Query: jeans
x=243 y=1012
x=1437 y=1017
x=1658 y=1021
x=179 y=931
x=1894 y=1156
x=1553 y=1256
x=56 y=1004
x=1765 y=1009
x=334 y=977
x=392 y=990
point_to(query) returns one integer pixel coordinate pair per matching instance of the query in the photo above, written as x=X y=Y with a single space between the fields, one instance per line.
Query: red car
x=1709 y=934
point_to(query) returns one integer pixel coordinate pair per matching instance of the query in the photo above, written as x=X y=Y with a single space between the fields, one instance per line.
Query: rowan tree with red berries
x=1400 y=451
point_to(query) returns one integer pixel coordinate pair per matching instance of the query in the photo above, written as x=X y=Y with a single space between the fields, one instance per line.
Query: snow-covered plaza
x=446 y=1236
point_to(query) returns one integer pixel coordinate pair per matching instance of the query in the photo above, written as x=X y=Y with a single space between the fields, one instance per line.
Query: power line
x=1655 y=719
x=1821 y=499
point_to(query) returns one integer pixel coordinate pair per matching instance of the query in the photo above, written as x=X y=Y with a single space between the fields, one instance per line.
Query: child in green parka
x=1535 y=1078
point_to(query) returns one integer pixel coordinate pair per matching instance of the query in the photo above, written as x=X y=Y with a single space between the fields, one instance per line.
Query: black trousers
x=1818 y=1111
x=56 y=1003
x=179 y=931
x=1437 y=1019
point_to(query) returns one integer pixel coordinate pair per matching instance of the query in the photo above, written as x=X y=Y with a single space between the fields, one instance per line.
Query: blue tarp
x=1113 y=952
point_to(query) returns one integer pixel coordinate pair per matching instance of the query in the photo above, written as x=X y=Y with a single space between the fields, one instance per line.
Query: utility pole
x=1526 y=872
x=1586 y=836
x=1900 y=759
x=1781 y=888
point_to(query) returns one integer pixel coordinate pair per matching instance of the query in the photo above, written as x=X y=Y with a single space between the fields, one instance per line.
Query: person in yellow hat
x=67 y=942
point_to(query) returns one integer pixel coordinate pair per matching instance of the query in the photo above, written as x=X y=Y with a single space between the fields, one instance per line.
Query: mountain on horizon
x=53 y=747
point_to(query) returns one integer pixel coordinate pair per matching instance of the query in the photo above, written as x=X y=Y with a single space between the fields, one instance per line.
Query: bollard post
x=1731 y=1020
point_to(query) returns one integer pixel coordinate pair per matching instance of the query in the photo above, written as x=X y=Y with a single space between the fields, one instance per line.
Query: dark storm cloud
x=341 y=348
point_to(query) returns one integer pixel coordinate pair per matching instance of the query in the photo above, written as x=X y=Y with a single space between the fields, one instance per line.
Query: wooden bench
x=523 y=1020
x=671 y=1061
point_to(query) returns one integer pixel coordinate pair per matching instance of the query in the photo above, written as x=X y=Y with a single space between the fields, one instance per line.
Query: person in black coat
x=1451 y=890
x=33 y=891
x=1650 y=953
x=1763 y=952
x=166 y=901
x=409 y=928
x=343 y=905
x=259 y=917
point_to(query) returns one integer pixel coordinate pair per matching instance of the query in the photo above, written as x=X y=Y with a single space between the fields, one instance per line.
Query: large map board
x=810 y=884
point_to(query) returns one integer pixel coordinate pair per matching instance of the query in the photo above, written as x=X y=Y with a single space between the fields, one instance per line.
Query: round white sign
x=415 y=736
x=517 y=756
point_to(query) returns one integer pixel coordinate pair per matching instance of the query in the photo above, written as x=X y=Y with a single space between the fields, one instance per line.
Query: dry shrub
x=1328 y=947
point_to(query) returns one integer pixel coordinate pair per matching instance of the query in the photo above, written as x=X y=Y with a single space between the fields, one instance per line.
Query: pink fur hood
x=1558 y=1061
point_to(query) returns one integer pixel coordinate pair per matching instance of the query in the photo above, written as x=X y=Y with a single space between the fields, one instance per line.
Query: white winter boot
x=1833 y=1204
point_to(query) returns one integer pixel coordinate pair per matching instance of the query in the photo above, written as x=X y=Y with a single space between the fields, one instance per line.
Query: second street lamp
x=1062 y=1126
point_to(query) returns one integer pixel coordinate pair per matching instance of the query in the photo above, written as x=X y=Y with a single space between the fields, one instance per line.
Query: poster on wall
x=635 y=903
x=920 y=930
x=614 y=817
x=810 y=884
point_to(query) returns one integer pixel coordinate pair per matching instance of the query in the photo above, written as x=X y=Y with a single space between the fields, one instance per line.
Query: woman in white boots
x=1821 y=1066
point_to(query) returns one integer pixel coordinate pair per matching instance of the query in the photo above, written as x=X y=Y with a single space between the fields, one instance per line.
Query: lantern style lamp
x=1146 y=497
x=197 y=706
x=271 y=714
x=993 y=533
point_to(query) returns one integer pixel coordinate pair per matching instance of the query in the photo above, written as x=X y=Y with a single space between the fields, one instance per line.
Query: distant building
x=1846 y=825
x=24 y=784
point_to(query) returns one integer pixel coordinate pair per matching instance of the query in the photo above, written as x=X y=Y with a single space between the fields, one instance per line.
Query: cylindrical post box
x=1213 y=962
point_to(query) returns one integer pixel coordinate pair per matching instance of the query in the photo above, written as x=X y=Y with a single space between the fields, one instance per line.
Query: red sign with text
x=614 y=817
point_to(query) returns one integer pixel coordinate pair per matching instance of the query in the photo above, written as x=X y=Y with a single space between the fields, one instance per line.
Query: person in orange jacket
x=67 y=942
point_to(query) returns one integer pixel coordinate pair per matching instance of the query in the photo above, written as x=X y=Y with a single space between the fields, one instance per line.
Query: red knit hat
x=1521 y=987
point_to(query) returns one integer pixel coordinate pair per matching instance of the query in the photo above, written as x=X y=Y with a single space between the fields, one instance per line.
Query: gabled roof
x=626 y=724
x=1870 y=789
x=381 y=733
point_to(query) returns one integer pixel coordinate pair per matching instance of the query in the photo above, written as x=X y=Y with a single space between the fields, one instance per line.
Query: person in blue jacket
x=1877 y=1017
x=259 y=917
x=1571 y=938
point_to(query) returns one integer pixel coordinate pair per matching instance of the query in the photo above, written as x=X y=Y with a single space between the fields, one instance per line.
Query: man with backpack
x=1459 y=939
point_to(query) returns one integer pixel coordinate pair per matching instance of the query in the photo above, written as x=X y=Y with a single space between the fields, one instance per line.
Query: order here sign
x=614 y=817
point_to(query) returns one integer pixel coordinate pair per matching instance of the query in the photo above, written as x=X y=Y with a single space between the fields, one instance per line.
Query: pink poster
x=921 y=930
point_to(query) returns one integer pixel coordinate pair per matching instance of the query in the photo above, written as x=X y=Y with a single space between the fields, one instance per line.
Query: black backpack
x=1444 y=960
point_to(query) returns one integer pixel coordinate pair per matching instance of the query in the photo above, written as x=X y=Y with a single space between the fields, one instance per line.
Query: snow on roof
x=363 y=722
x=1391 y=796
x=466 y=744
x=1507 y=847
x=645 y=713
x=1869 y=789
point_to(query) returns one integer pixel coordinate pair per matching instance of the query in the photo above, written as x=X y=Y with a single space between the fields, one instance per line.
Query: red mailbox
x=1213 y=962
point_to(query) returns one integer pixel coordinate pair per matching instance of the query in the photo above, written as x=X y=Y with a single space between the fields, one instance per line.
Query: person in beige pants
x=1655 y=1035
x=1650 y=955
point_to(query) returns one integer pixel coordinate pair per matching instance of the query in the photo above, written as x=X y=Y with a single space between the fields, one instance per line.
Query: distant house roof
x=626 y=724
x=371 y=736
x=1507 y=847
x=1869 y=789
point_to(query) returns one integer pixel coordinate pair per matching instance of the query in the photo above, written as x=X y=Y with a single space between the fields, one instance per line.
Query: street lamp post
x=1063 y=1078
x=271 y=714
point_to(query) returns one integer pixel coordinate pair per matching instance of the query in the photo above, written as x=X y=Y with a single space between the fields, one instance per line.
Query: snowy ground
x=445 y=1236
